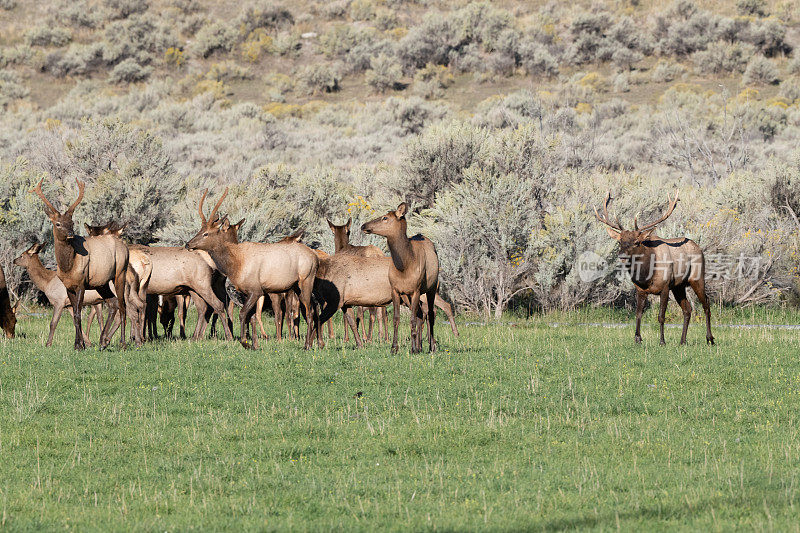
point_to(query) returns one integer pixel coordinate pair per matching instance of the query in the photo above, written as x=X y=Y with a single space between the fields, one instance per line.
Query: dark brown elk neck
x=641 y=265
x=340 y=242
x=400 y=249
x=224 y=255
x=65 y=254
x=40 y=276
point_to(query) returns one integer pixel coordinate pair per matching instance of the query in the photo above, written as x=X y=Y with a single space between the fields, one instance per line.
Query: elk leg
x=344 y=325
x=112 y=323
x=181 y=308
x=699 y=288
x=277 y=310
x=259 y=312
x=208 y=294
x=416 y=325
x=680 y=296
x=432 y=318
x=92 y=312
x=662 y=313
x=351 y=321
x=442 y=304
x=120 y=282
x=331 y=335
x=76 y=300
x=641 y=299
x=244 y=318
x=306 y=288
x=383 y=325
x=57 y=310
x=395 y=318
x=202 y=306
x=372 y=314
x=253 y=325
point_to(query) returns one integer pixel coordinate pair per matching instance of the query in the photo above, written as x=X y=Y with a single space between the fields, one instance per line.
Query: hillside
x=505 y=119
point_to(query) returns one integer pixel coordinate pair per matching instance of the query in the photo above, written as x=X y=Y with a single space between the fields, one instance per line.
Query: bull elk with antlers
x=88 y=263
x=256 y=269
x=660 y=266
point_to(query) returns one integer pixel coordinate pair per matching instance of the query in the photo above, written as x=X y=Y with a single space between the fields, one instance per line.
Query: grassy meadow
x=516 y=425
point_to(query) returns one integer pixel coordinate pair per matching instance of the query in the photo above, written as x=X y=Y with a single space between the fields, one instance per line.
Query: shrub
x=761 y=70
x=435 y=160
x=751 y=7
x=626 y=58
x=256 y=44
x=722 y=57
x=665 y=71
x=129 y=71
x=790 y=89
x=214 y=37
x=8 y=5
x=120 y=9
x=47 y=36
x=264 y=15
x=174 y=57
x=11 y=87
x=128 y=173
x=77 y=59
x=483 y=229
x=319 y=77
x=384 y=74
x=536 y=59
x=794 y=64
x=144 y=38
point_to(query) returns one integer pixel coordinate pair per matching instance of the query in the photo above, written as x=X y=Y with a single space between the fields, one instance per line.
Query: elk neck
x=340 y=242
x=641 y=265
x=224 y=255
x=65 y=254
x=400 y=248
x=40 y=276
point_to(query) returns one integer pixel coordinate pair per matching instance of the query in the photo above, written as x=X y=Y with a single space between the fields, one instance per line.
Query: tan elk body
x=660 y=266
x=88 y=263
x=8 y=313
x=256 y=269
x=414 y=271
x=47 y=281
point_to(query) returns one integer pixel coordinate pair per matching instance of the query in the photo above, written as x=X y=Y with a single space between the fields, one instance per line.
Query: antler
x=200 y=207
x=38 y=190
x=219 y=203
x=81 y=188
x=605 y=219
x=666 y=215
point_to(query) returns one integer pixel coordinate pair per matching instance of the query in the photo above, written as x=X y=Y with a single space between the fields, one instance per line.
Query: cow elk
x=8 y=313
x=256 y=269
x=658 y=266
x=47 y=281
x=88 y=263
x=414 y=271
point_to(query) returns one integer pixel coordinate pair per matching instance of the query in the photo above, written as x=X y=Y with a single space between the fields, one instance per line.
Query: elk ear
x=16 y=306
x=614 y=234
x=402 y=209
x=645 y=235
x=238 y=225
x=349 y=221
x=225 y=224
x=330 y=224
x=36 y=248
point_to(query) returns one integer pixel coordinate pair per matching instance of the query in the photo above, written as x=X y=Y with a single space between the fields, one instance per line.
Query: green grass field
x=517 y=426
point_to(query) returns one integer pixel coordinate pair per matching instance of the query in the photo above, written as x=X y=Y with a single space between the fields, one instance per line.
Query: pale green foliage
x=319 y=78
x=213 y=37
x=761 y=70
x=383 y=74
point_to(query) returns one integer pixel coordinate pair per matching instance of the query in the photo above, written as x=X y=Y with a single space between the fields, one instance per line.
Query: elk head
x=63 y=227
x=389 y=224
x=341 y=234
x=109 y=228
x=213 y=230
x=630 y=240
x=25 y=259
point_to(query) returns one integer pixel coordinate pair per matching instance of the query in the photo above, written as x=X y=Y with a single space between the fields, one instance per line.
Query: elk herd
x=131 y=280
